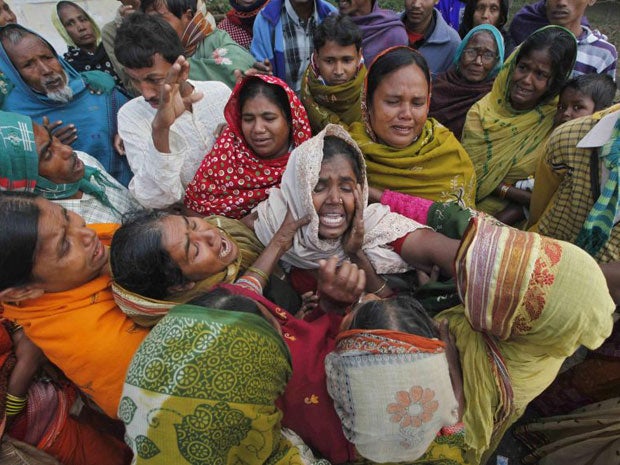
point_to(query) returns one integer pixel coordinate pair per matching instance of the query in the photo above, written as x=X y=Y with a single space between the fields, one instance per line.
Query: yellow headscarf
x=505 y=144
x=63 y=32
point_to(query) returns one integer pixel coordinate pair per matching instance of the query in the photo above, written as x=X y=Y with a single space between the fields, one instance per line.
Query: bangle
x=14 y=404
x=381 y=287
x=259 y=272
x=251 y=283
x=503 y=190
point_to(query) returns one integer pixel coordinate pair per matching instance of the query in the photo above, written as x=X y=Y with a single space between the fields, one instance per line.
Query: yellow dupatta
x=525 y=310
x=504 y=144
x=338 y=104
x=435 y=166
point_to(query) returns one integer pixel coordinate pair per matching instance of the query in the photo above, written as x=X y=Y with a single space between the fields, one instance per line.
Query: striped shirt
x=595 y=54
x=298 y=44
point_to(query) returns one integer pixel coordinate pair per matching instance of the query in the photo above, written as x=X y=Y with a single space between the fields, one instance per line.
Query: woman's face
x=399 y=107
x=479 y=57
x=198 y=248
x=531 y=79
x=78 y=26
x=264 y=127
x=487 y=12
x=333 y=196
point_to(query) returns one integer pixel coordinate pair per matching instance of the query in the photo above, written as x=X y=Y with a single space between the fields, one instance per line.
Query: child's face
x=337 y=64
x=573 y=104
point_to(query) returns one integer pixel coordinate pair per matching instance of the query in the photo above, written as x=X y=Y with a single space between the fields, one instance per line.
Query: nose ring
x=341 y=202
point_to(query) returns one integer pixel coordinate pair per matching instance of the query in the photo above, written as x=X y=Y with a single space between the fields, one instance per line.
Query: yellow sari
x=504 y=144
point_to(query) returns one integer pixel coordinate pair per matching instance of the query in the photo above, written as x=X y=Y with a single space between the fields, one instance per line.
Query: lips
x=332 y=220
x=54 y=83
x=225 y=248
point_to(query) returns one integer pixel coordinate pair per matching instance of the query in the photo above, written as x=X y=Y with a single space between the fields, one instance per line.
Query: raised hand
x=354 y=238
x=342 y=284
x=67 y=134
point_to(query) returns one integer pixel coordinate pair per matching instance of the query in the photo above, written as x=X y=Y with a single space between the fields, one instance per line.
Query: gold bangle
x=380 y=288
x=14 y=404
x=259 y=272
x=503 y=190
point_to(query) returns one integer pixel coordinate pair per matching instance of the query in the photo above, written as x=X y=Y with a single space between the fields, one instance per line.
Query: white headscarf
x=381 y=227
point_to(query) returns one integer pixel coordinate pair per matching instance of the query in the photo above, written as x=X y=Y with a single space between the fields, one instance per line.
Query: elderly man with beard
x=84 y=106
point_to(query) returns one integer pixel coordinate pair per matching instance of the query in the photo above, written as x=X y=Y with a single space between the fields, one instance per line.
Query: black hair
x=601 y=88
x=392 y=61
x=561 y=46
x=19 y=218
x=274 y=93
x=176 y=7
x=337 y=28
x=467 y=23
x=334 y=145
x=222 y=299
x=141 y=36
x=401 y=313
x=64 y=3
x=138 y=259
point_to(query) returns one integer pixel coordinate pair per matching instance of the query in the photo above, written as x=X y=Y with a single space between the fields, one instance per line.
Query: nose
x=333 y=196
x=405 y=111
x=259 y=126
x=478 y=59
x=44 y=68
x=148 y=91
x=85 y=234
x=339 y=69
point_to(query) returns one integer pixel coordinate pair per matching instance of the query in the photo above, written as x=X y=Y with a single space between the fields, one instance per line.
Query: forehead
x=571 y=94
x=485 y=3
x=332 y=48
x=482 y=39
x=52 y=218
x=409 y=79
x=67 y=10
x=338 y=165
x=260 y=103
x=539 y=58
x=29 y=46
x=159 y=66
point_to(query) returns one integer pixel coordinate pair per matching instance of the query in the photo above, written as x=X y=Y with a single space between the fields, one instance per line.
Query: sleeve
x=157 y=176
x=261 y=47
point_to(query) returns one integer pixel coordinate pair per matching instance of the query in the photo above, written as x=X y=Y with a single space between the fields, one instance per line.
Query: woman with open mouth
x=504 y=130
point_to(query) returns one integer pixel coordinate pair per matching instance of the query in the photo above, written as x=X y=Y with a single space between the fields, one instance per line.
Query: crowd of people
x=309 y=234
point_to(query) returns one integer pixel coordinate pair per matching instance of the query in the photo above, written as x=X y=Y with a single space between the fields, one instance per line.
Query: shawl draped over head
x=201 y=388
x=396 y=417
x=201 y=25
x=231 y=179
x=567 y=185
x=525 y=309
x=339 y=104
x=305 y=403
x=453 y=95
x=88 y=319
x=435 y=166
x=19 y=165
x=83 y=60
x=503 y=143
x=295 y=194
x=92 y=109
x=147 y=312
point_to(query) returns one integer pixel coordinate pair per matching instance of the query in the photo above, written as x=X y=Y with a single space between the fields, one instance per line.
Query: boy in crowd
x=583 y=96
x=332 y=84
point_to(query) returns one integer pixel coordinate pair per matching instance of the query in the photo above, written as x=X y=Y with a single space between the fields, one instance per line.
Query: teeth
x=332 y=219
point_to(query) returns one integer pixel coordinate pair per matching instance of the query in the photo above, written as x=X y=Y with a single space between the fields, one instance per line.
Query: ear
x=19 y=293
x=181 y=287
x=187 y=15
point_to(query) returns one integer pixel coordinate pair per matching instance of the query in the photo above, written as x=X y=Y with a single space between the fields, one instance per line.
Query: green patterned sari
x=201 y=390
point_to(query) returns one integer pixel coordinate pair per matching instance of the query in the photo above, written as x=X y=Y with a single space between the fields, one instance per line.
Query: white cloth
x=90 y=208
x=160 y=178
x=381 y=227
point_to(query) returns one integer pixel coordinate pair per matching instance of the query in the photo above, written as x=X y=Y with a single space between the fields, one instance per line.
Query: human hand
x=374 y=194
x=354 y=237
x=177 y=95
x=344 y=284
x=65 y=134
x=309 y=301
x=26 y=352
x=283 y=238
x=428 y=278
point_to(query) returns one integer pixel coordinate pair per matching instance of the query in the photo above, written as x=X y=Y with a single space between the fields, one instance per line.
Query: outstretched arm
x=424 y=248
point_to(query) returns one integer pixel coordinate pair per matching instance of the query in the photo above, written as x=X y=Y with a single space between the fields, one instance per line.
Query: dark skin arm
x=425 y=248
x=29 y=359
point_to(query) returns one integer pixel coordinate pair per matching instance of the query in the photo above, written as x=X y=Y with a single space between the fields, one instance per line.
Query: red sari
x=231 y=179
x=308 y=409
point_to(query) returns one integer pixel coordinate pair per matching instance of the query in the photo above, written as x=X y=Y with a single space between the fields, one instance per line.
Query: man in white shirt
x=172 y=126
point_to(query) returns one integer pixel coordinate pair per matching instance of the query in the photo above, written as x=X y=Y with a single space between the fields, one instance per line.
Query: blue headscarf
x=499 y=42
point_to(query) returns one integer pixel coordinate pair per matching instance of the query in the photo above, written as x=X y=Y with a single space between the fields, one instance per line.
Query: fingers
x=119 y=146
x=359 y=205
x=65 y=134
x=327 y=268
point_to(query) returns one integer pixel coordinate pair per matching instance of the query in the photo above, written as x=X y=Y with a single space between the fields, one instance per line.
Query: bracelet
x=380 y=288
x=251 y=283
x=259 y=272
x=14 y=404
x=503 y=190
